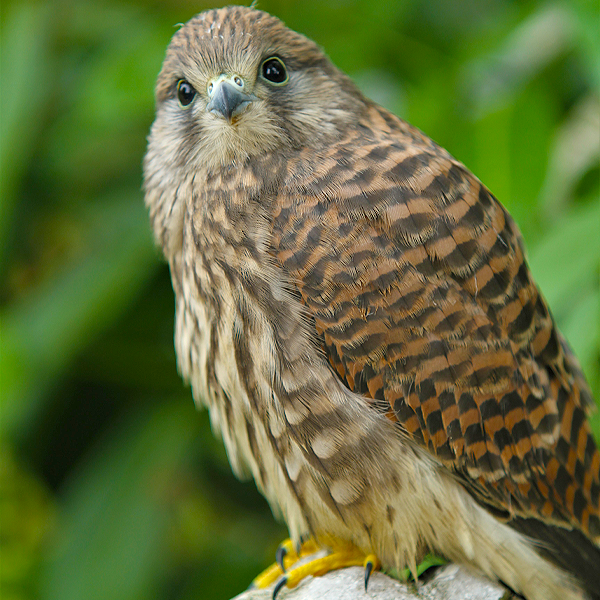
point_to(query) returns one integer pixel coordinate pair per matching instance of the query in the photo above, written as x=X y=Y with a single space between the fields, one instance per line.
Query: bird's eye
x=185 y=92
x=274 y=70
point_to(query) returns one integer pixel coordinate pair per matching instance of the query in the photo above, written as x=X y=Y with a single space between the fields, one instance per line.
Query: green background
x=111 y=484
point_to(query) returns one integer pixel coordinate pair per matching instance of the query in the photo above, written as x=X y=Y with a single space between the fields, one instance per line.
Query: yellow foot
x=290 y=574
x=287 y=554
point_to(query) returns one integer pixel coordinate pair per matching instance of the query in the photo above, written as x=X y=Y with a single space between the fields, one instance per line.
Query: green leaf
x=566 y=260
x=27 y=71
x=44 y=330
x=115 y=510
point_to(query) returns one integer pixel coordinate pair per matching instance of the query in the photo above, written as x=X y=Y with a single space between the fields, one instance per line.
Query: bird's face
x=237 y=83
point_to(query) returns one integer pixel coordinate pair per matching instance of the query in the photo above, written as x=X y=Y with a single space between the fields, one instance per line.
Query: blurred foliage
x=111 y=484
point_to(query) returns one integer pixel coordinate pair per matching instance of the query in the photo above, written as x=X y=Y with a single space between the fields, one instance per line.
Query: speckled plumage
x=355 y=309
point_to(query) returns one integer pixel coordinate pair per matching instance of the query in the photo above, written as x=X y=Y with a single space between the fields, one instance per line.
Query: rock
x=450 y=582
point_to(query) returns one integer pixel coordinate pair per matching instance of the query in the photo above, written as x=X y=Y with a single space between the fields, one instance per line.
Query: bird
x=354 y=308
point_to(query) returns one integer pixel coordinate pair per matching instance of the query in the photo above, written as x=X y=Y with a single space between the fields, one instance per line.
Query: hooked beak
x=227 y=97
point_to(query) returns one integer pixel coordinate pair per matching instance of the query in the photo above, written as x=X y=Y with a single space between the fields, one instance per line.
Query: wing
x=416 y=280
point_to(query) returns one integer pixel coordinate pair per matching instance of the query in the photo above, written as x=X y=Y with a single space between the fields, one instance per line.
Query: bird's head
x=237 y=83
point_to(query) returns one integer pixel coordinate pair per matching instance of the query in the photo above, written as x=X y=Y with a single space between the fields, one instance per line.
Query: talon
x=279 y=556
x=280 y=584
x=371 y=564
x=368 y=571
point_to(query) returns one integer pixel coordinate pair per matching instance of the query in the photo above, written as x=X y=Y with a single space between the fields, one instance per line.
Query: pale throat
x=250 y=135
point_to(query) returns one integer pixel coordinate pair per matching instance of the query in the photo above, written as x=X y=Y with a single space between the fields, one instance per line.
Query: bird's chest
x=226 y=315
x=209 y=358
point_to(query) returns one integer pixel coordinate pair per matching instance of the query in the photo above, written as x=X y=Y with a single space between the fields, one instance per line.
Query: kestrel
x=355 y=309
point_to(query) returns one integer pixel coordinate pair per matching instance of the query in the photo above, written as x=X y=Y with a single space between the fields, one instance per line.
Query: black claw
x=279 y=556
x=299 y=543
x=368 y=571
x=281 y=583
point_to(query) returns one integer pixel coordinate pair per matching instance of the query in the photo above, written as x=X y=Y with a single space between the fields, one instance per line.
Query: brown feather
x=430 y=306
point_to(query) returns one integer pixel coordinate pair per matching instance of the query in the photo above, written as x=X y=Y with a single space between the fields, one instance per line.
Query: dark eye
x=274 y=70
x=185 y=92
